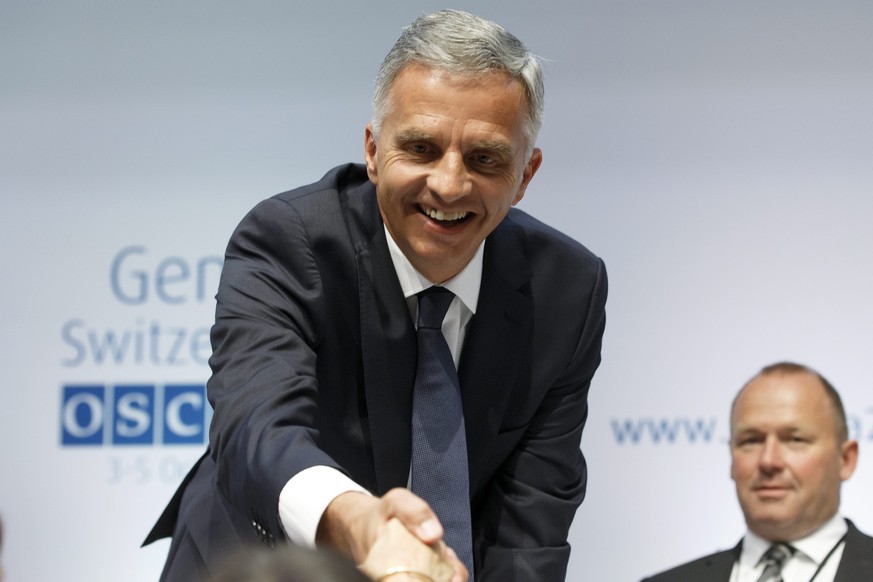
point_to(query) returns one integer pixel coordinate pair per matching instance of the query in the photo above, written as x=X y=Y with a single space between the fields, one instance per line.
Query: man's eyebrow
x=746 y=431
x=500 y=148
x=411 y=134
x=497 y=147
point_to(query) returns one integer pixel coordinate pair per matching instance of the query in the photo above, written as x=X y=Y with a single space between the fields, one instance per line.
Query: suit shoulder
x=542 y=242
x=855 y=533
x=334 y=183
x=857 y=560
x=318 y=203
x=710 y=567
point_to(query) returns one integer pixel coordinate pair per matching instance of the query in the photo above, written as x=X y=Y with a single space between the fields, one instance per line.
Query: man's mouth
x=771 y=489
x=441 y=216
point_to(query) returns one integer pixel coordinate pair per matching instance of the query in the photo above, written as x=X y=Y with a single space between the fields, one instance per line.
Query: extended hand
x=398 y=530
x=398 y=556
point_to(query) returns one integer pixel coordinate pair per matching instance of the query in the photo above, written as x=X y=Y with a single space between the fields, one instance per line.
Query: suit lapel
x=388 y=344
x=857 y=560
x=719 y=566
x=496 y=354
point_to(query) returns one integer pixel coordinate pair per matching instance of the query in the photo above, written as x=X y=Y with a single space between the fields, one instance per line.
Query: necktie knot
x=433 y=303
x=777 y=554
x=774 y=558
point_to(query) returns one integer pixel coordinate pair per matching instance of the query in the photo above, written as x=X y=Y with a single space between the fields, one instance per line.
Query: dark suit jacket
x=314 y=361
x=856 y=565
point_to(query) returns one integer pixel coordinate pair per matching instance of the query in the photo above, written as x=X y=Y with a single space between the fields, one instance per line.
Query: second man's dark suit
x=856 y=564
x=314 y=356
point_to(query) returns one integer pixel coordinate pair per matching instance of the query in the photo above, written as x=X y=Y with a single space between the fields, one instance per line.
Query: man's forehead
x=781 y=385
x=763 y=424
x=479 y=136
x=781 y=400
x=439 y=119
x=497 y=81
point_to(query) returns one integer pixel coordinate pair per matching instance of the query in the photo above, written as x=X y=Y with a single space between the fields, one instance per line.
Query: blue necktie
x=439 y=445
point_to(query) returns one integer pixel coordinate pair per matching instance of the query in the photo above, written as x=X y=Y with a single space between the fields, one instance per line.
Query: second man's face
x=787 y=461
x=448 y=163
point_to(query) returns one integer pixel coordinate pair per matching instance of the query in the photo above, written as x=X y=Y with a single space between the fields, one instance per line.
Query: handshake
x=399 y=556
x=393 y=538
x=391 y=551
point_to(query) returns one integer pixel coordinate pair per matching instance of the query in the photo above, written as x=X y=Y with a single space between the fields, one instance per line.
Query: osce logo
x=134 y=414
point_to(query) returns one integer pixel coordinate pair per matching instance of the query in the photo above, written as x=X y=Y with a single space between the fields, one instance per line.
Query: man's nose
x=771 y=455
x=449 y=179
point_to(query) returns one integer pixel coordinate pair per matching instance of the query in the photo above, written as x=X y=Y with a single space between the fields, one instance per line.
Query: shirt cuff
x=305 y=497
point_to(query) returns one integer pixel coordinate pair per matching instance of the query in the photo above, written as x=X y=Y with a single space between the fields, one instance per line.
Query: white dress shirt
x=308 y=493
x=801 y=566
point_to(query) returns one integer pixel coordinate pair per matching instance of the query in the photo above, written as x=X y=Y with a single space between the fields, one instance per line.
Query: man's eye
x=419 y=148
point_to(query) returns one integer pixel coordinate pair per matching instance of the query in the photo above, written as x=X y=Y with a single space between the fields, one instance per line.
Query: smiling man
x=337 y=409
x=790 y=454
x=449 y=161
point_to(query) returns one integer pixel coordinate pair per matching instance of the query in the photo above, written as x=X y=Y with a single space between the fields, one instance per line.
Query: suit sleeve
x=537 y=489
x=263 y=387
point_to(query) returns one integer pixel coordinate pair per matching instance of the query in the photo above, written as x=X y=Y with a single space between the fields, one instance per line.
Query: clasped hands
x=393 y=538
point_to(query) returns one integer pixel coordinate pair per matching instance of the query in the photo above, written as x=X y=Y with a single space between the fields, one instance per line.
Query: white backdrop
x=717 y=155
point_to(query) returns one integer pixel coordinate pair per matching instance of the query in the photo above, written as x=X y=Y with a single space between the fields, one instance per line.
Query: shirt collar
x=816 y=545
x=754 y=547
x=465 y=285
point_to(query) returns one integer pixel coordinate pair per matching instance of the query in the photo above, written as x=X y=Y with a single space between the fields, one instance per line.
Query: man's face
x=787 y=462
x=448 y=163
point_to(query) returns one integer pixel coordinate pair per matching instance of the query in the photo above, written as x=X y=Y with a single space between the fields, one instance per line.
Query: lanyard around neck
x=828 y=556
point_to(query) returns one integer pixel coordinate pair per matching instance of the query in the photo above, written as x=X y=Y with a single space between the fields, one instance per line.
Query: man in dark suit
x=314 y=344
x=790 y=453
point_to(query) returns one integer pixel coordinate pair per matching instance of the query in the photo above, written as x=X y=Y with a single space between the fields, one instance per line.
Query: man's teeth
x=444 y=216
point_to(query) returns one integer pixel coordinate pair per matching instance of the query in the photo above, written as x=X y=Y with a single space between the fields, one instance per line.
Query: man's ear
x=370 y=152
x=533 y=164
x=848 y=458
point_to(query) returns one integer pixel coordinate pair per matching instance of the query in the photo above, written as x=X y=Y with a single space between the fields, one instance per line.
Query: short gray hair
x=459 y=42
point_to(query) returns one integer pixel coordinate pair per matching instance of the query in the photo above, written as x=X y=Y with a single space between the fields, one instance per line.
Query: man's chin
x=771 y=523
